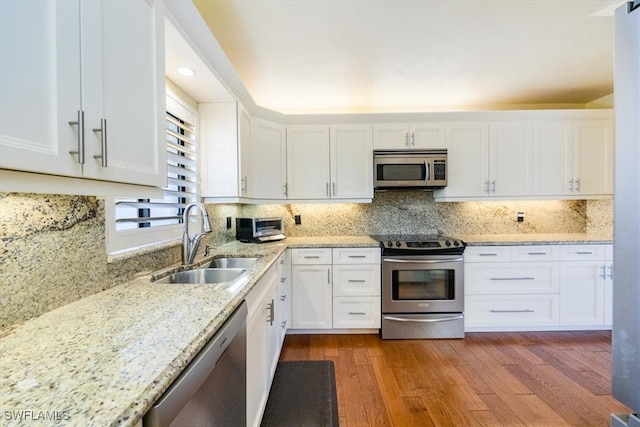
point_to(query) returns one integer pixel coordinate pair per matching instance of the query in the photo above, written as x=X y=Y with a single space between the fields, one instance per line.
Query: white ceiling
x=382 y=55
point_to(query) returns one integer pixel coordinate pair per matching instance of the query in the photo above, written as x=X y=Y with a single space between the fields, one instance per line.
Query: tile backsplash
x=53 y=249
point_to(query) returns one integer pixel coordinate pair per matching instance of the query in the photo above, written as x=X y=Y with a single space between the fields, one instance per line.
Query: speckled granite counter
x=105 y=359
x=534 y=239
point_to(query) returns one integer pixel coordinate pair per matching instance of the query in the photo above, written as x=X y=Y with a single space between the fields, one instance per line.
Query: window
x=133 y=223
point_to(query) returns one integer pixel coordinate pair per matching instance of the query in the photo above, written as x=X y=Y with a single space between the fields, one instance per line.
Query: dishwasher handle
x=176 y=397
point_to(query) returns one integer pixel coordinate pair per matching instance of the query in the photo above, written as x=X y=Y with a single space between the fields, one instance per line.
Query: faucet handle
x=206 y=250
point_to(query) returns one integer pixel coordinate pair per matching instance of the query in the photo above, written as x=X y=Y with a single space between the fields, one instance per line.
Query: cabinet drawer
x=356 y=255
x=355 y=280
x=582 y=252
x=512 y=310
x=487 y=254
x=311 y=256
x=535 y=253
x=512 y=278
x=356 y=312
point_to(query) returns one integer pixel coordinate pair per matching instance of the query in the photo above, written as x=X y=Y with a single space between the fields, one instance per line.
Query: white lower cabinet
x=538 y=287
x=264 y=341
x=335 y=288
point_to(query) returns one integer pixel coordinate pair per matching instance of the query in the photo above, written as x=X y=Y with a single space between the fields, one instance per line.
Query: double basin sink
x=219 y=270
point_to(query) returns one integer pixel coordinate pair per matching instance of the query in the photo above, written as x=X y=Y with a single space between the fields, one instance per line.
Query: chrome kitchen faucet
x=190 y=244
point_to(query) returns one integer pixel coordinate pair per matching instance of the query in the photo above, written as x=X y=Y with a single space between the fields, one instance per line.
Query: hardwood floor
x=487 y=379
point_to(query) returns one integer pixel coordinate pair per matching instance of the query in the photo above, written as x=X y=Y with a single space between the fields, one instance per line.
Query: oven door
x=423 y=284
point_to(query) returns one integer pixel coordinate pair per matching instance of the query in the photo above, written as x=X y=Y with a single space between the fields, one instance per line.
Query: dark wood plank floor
x=487 y=379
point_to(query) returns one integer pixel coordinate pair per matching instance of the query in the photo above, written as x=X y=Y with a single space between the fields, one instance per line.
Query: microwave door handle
x=427 y=177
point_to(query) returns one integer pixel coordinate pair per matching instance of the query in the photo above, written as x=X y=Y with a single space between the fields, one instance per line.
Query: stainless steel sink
x=232 y=262
x=204 y=276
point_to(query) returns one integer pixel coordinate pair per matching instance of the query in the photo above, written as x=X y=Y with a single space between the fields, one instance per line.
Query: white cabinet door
x=219 y=169
x=391 y=136
x=582 y=293
x=312 y=301
x=124 y=104
x=70 y=59
x=468 y=160
x=510 y=172
x=269 y=160
x=552 y=158
x=256 y=367
x=593 y=157
x=400 y=136
x=40 y=86
x=244 y=145
x=351 y=162
x=308 y=159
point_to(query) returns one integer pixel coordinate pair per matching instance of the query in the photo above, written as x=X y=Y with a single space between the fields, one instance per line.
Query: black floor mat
x=303 y=393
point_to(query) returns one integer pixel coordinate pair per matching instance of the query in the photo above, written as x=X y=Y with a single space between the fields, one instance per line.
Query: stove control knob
x=456 y=243
x=398 y=244
x=447 y=242
x=390 y=243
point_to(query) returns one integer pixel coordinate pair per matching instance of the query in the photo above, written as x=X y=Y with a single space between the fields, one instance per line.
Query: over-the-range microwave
x=426 y=169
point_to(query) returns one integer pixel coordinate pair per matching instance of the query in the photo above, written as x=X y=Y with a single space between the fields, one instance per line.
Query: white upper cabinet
x=308 y=159
x=351 y=162
x=467 y=161
x=268 y=160
x=83 y=90
x=225 y=159
x=399 y=136
x=510 y=173
x=573 y=159
x=327 y=163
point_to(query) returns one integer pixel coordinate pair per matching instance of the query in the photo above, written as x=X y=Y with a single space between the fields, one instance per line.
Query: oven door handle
x=424 y=261
x=438 y=319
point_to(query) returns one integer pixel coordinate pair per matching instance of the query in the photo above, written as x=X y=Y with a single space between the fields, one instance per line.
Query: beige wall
x=53 y=252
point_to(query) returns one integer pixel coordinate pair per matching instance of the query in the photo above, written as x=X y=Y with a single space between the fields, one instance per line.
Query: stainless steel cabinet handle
x=578 y=184
x=329 y=275
x=357 y=313
x=604 y=272
x=406 y=139
x=327 y=191
x=103 y=142
x=584 y=253
x=283 y=279
x=570 y=185
x=512 y=278
x=441 y=319
x=311 y=257
x=512 y=311
x=272 y=313
x=413 y=139
x=610 y=272
x=334 y=188
x=283 y=325
x=486 y=187
x=356 y=281
x=244 y=184
x=488 y=254
x=285 y=189
x=80 y=124
x=493 y=186
x=283 y=297
x=357 y=256
x=536 y=253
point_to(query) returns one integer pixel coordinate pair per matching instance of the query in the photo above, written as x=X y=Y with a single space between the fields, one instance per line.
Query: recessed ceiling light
x=186 y=71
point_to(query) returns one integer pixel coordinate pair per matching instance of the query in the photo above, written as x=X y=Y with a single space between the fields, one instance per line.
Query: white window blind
x=140 y=222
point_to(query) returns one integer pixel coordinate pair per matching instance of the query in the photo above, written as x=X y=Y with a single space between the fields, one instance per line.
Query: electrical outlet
x=520 y=217
x=228 y=222
x=297 y=219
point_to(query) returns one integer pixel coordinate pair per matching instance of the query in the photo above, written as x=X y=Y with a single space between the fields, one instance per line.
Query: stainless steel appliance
x=425 y=169
x=212 y=390
x=259 y=230
x=422 y=287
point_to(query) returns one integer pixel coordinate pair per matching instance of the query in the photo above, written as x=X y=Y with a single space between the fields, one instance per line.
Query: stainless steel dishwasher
x=212 y=390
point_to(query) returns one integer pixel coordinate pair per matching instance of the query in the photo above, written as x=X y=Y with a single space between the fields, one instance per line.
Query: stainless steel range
x=422 y=286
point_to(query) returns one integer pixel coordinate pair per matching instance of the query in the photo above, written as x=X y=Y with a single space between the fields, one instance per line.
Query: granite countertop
x=105 y=359
x=534 y=239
